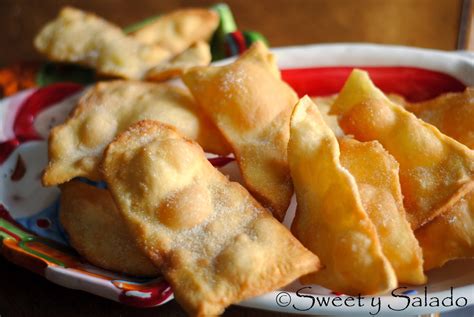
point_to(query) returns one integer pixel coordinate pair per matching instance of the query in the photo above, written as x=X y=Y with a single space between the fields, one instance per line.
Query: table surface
x=422 y=23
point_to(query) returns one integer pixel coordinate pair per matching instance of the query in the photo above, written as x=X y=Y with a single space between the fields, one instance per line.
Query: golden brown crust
x=451 y=113
x=376 y=174
x=330 y=219
x=450 y=235
x=199 y=54
x=97 y=232
x=251 y=106
x=435 y=170
x=108 y=108
x=80 y=37
x=178 y=30
x=213 y=242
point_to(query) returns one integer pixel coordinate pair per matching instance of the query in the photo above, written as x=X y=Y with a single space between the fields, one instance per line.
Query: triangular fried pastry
x=251 y=106
x=108 y=108
x=178 y=30
x=211 y=239
x=97 y=231
x=330 y=219
x=435 y=170
x=449 y=236
x=451 y=113
x=376 y=174
x=80 y=37
x=198 y=54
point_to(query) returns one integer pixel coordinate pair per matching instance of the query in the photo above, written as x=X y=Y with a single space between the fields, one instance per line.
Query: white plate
x=459 y=275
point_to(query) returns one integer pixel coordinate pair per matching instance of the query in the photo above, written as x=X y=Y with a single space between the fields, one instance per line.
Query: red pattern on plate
x=6 y=148
x=220 y=161
x=154 y=295
x=415 y=84
x=38 y=101
x=24 y=122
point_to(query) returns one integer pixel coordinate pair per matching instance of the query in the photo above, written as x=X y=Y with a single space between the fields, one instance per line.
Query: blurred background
x=438 y=24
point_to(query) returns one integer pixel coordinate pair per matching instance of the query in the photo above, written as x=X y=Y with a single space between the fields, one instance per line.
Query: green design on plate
x=24 y=245
x=9 y=227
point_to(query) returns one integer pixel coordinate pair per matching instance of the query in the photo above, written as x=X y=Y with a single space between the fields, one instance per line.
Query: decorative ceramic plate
x=31 y=235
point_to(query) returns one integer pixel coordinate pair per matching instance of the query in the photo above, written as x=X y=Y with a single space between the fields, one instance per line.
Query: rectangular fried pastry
x=435 y=170
x=211 y=239
x=178 y=30
x=376 y=175
x=96 y=230
x=199 y=54
x=108 y=108
x=251 y=106
x=79 y=37
x=449 y=236
x=330 y=219
x=451 y=113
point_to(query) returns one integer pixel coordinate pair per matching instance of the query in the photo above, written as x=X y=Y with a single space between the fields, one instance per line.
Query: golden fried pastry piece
x=330 y=219
x=198 y=54
x=376 y=174
x=178 y=30
x=76 y=146
x=98 y=233
x=211 y=239
x=79 y=37
x=251 y=106
x=450 y=235
x=324 y=105
x=435 y=170
x=452 y=114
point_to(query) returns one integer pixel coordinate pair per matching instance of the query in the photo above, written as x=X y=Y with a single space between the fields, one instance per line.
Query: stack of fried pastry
x=382 y=195
x=158 y=51
x=173 y=213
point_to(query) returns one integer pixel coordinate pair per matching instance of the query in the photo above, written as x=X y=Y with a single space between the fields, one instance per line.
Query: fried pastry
x=376 y=175
x=451 y=113
x=330 y=219
x=178 y=30
x=198 y=54
x=211 y=239
x=435 y=170
x=324 y=105
x=450 y=235
x=76 y=146
x=251 y=106
x=79 y=37
x=98 y=233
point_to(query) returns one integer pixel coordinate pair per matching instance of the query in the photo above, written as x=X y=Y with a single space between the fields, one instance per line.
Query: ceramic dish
x=32 y=237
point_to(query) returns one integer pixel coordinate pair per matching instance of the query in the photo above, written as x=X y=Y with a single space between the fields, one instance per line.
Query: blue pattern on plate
x=54 y=231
